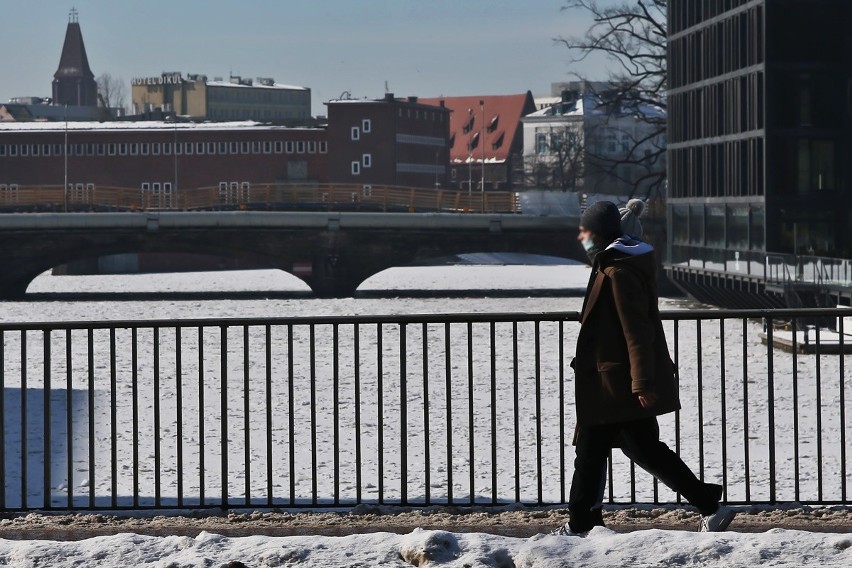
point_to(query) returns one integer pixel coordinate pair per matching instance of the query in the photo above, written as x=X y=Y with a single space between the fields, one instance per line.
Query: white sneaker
x=718 y=521
x=563 y=530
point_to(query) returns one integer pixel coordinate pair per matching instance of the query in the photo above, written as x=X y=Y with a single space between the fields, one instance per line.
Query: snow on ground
x=601 y=547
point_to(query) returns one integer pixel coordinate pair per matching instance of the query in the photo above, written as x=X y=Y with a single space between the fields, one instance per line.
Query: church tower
x=74 y=83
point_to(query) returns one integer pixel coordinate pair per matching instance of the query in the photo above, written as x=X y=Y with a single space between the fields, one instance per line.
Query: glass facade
x=760 y=117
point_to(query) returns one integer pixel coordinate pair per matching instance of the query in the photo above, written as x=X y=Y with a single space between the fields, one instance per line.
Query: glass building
x=759 y=140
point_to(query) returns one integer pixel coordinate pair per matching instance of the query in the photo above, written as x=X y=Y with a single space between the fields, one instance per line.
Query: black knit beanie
x=603 y=219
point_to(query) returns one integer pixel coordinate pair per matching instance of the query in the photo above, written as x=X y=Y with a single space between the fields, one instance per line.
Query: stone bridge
x=332 y=252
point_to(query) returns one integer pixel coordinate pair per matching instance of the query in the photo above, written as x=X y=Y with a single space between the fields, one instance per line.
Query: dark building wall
x=388 y=142
x=759 y=129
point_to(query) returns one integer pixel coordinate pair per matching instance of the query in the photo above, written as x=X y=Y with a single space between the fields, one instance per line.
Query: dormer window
x=469 y=124
x=474 y=141
x=492 y=126
x=498 y=141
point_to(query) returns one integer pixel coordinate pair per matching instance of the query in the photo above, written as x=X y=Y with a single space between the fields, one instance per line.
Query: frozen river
x=314 y=424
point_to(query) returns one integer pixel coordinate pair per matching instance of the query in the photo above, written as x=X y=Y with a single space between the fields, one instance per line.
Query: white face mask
x=588 y=244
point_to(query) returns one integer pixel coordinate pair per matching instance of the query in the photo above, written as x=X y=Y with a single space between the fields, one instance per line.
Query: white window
x=323 y=147
x=122 y=149
x=279 y=147
x=356 y=133
x=300 y=147
x=235 y=148
x=244 y=147
x=356 y=168
x=145 y=186
x=111 y=150
x=35 y=149
x=144 y=148
x=312 y=146
x=366 y=125
x=367 y=160
x=45 y=150
x=155 y=149
x=289 y=146
x=211 y=148
x=223 y=148
x=188 y=149
x=267 y=147
x=167 y=148
x=134 y=149
x=199 y=148
x=255 y=147
x=155 y=188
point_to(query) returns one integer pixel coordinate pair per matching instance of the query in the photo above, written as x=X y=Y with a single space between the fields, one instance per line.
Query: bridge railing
x=308 y=196
x=418 y=410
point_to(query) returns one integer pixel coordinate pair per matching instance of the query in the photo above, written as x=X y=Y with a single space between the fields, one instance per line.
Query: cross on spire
x=72 y=15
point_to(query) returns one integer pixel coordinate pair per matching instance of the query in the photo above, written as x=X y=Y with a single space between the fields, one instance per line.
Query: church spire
x=74 y=83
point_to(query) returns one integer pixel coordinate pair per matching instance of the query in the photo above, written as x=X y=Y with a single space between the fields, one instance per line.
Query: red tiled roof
x=500 y=130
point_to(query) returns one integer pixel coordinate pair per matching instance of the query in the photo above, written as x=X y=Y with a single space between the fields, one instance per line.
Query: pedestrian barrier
x=408 y=409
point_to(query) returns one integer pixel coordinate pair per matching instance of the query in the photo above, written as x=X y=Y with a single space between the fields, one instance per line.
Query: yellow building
x=238 y=98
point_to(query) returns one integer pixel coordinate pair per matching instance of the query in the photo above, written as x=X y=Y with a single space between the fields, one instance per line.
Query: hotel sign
x=165 y=79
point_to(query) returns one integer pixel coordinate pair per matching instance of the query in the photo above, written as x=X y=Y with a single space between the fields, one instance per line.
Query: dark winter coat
x=621 y=347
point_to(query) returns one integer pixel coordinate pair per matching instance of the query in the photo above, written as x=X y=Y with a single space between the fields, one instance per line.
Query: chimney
x=389 y=97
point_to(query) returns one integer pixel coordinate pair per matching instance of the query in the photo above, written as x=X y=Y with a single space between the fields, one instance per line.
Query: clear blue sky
x=420 y=47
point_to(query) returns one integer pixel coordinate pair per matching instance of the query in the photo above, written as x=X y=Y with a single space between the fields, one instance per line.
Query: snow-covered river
x=309 y=422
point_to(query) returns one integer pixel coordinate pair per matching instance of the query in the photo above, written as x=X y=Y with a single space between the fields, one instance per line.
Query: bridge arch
x=333 y=253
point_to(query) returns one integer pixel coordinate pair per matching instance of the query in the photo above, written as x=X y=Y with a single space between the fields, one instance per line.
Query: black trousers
x=640 y=441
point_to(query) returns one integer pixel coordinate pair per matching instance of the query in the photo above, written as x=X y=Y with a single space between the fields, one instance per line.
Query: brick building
x=388 y=141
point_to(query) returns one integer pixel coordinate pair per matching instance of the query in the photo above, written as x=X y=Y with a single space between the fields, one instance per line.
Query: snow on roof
x=141 y=125
x=256 y=85
x=590 y=104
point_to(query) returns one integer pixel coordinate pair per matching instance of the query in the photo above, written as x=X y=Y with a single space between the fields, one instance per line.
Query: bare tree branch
x=111 y=91
x=631 y=35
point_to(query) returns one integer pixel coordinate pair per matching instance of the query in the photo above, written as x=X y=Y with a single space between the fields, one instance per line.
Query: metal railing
x=308 y=196
x=416 y=410
x=805 y=269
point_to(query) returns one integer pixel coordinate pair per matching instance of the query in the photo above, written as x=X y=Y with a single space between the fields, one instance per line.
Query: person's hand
x=647 y=399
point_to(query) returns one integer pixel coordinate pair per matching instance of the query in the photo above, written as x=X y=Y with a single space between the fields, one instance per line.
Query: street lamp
x=469 y=153
x=482 y=143
x=482 y=131
x=65 y=155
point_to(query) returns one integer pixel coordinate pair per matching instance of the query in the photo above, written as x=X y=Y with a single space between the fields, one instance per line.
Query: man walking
x=625 y=377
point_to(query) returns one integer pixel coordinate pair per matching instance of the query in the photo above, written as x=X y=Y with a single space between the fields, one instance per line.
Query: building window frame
x=366 y=126
x=289 y=146
x=355 y=133
x=355 y=168
x=300 y=147
x=323 y=147
x=367 y=160
x=267 y=147
x=223 y=148
x=312 y=146
x=279 y=146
